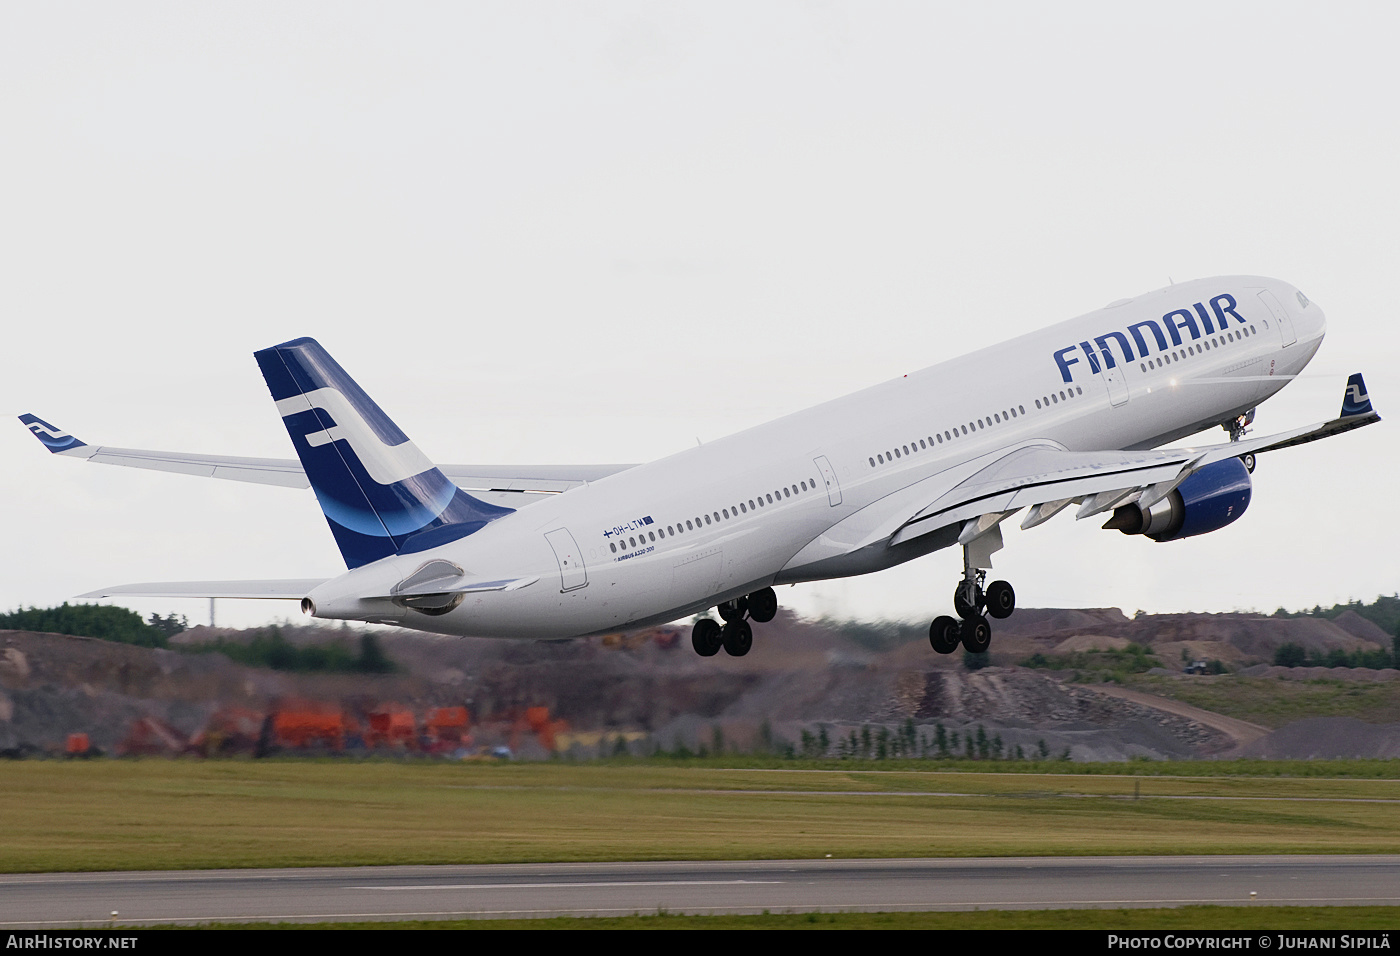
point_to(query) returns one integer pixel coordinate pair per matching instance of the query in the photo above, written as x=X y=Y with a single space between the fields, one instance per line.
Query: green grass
x=1272 y=703
x=105 y=815
x=1187 y=918
x=1117 y=666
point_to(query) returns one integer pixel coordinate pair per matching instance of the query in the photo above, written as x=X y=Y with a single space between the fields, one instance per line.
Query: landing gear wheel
x=1248 y=460
x=737 y=637
x=976 y=635
x=733 y=610
x=1001 y=599
x=967 y=611
x=706 y=638
x=763 y=605
x=943 y=634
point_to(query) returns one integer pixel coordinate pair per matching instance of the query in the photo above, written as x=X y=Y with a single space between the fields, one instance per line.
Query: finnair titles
x=1175 y=322
x=1073 y=416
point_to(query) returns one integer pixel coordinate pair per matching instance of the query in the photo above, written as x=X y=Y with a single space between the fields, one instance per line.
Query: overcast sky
x=595 y=232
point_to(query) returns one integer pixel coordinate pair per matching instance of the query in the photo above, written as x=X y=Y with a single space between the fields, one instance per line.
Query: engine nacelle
x=1207 y=501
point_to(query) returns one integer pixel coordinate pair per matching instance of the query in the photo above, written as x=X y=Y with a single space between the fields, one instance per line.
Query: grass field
x=1184 y=918
x=1272 y=703
x=62 y=816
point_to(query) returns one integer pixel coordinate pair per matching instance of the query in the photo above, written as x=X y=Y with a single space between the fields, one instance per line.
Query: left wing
x=267 y=471
x=512 y=485
x=292 y=589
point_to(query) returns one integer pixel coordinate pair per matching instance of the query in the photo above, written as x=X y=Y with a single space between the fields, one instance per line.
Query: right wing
x=512 y=485
x=1047 y=479
x=973 y=497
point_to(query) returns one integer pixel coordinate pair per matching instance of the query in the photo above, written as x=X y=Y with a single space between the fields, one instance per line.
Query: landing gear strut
x=736 y=636
x=970 y=600
x=1238 y=426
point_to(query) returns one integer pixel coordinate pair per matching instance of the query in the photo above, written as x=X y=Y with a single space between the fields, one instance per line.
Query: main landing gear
x=1237 y=429
x=970 y=600
x=736 y=636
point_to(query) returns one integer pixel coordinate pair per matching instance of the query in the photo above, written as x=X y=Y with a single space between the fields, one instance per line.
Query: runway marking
x=566 y=883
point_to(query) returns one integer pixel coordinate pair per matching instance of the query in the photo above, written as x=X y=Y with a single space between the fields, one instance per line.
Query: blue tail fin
x=379 y=493
x=1355 y=401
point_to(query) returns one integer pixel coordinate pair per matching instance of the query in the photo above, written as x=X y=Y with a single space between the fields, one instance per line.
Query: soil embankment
x=803 y=682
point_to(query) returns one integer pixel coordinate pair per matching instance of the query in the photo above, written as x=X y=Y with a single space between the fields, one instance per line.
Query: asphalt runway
x=610 y=889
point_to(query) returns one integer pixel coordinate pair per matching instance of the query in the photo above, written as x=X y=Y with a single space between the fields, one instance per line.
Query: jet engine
x=1207 y=501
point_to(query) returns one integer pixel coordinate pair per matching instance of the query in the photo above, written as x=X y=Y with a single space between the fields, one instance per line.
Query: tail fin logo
x=386 y=464
x=1355 y=401
x=379 y=493
x=54 y=438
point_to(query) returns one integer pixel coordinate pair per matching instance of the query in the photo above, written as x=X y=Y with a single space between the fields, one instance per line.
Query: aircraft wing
x=512 y=485
x=293 y=589
x=1047 y=479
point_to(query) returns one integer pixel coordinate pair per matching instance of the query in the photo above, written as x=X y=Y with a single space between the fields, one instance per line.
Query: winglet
x=55 y=439
x=1355 y=401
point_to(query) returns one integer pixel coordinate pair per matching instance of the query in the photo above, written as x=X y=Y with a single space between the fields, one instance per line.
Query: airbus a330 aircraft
x=1067 y=416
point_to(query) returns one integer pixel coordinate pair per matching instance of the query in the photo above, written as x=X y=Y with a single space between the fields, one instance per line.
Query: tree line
x=267 y=648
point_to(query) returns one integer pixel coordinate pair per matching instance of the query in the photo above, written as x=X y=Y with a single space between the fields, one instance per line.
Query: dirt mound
x=1241 y=639
x=52 y=685
x=1091 y=642
x=801 y=675
x=1326 y=737
x=1358 y=626
x=1049 y=621
x=1253 y=636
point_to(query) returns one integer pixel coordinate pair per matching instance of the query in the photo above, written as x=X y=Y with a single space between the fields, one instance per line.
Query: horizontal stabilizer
x=467 y=586
x=286 y=589
x=439 y=577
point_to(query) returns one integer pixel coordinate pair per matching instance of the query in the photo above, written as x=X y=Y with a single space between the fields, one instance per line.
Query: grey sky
x=597 y=231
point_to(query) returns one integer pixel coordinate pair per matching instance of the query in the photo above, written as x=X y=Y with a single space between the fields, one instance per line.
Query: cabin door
x=833 y=490
x=1281 y=317
x=572 y=573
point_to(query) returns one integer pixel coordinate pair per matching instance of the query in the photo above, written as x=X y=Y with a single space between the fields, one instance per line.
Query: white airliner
x=1065 y=417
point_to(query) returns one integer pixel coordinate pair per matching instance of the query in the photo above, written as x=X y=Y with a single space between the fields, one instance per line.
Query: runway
x=610 y=889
